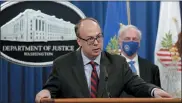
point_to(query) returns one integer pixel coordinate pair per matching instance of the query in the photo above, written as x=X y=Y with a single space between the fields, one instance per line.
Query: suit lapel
x=141 y=68
x=78 y=70
x=104 y=64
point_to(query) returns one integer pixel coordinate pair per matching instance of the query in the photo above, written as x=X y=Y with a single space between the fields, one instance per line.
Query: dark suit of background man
x=129 y=41
x=75 y=75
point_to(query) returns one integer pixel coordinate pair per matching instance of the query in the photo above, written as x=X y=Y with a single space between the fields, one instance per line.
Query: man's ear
x=79 y=42
x=119 y=41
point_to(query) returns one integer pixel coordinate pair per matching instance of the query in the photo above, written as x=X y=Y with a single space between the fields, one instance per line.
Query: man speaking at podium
x=92 y=73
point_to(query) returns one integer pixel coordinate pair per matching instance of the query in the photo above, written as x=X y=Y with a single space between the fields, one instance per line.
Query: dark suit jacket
x=68 y=80
x=148 y=72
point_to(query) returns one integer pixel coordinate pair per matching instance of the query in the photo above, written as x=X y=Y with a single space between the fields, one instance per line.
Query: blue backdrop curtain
x=116 y=14
x=145 y=16
x=19 y=84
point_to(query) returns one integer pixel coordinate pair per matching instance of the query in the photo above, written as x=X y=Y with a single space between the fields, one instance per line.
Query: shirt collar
x=86 y=60
x=135 y=59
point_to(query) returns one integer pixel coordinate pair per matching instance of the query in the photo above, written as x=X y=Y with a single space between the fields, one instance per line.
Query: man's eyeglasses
x=91 y=40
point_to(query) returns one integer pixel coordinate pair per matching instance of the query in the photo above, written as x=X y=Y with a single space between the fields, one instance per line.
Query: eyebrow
x=130 y=37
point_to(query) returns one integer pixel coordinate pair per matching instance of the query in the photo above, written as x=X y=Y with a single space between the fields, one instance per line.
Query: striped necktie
x=94 y=81
x=132 y=66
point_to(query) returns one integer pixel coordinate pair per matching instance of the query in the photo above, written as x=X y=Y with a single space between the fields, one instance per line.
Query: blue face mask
x=130 y=48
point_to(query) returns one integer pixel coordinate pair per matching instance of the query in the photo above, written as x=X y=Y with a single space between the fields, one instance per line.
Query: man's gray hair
x=123 y=29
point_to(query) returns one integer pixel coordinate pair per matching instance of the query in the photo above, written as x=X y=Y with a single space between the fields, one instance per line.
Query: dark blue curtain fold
x=145 y=16
x=95 y=9
x=19 y=84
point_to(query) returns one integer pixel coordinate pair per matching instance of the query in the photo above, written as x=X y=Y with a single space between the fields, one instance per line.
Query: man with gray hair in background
x=129 y=42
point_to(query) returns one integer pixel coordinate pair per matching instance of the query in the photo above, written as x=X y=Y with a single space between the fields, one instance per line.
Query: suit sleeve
x=156 y=76
x=135 y=85
x=53 y=83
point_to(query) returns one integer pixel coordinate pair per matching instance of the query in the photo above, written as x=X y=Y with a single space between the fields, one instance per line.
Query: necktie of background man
x=132 y=67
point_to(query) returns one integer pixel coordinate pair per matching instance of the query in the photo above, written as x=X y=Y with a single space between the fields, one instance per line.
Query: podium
x=112 y=100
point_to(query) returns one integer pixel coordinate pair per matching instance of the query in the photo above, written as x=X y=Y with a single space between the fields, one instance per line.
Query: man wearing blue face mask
x=129 y=42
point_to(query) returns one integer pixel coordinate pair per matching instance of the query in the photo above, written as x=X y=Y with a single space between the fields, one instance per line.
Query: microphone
x=106 y=81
